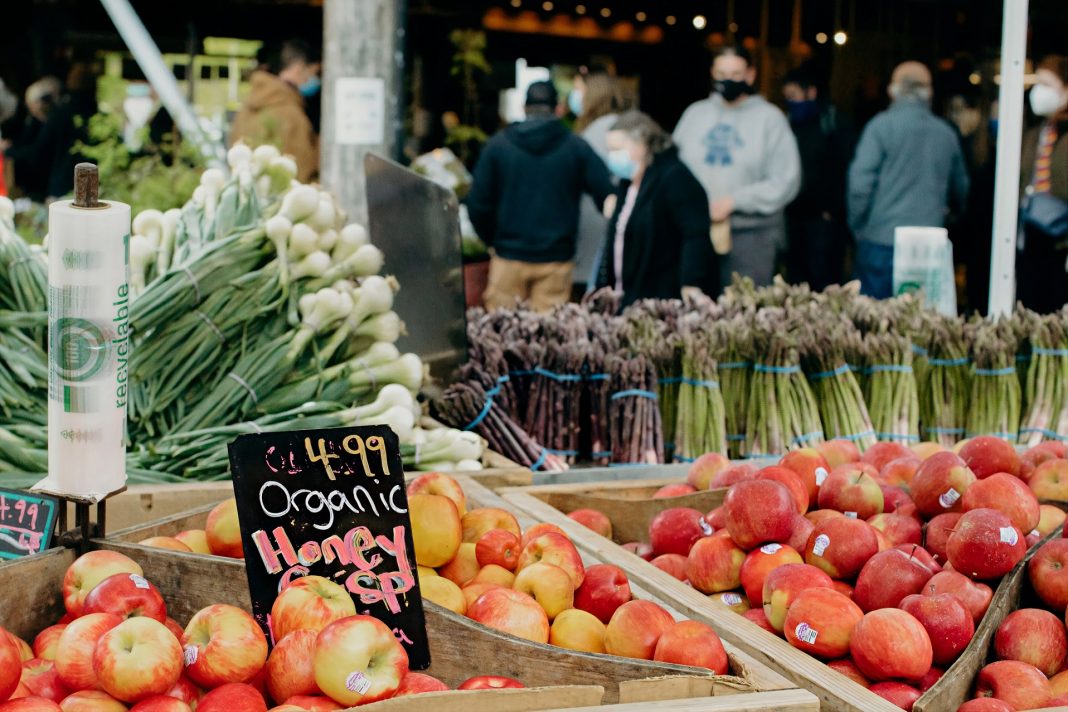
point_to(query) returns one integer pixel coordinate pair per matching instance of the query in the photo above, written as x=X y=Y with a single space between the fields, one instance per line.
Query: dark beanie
x=541 y=94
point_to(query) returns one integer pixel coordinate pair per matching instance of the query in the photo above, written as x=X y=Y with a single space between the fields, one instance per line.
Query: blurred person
x=9 y=104
x=524 y=203
x=816 y=218
x=742 y=150
x=1041 y=282
x=31 y=176
x=274 y=112
x=908 y=170
x=657 y=244
x=596 y=102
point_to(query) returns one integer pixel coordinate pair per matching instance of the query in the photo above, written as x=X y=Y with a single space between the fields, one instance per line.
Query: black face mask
x=731 y=89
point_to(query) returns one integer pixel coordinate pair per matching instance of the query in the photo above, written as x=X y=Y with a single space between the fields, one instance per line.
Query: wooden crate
x=623 y=680
x=630 y=522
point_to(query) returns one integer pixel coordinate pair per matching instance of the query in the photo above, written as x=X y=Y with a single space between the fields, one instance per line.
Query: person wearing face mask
x=657 y=244
x=816 y=217
x=273 y=111
x=742 y=150
x=1041 y=283
x=908 y=169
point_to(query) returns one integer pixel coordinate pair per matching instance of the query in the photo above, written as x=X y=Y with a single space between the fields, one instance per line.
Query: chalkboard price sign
x=330 y=503
x=26 y=523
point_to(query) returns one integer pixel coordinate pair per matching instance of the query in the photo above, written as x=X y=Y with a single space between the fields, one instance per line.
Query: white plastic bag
x=923 y=259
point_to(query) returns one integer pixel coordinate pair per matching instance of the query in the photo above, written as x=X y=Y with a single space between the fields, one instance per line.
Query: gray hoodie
x=746 y=151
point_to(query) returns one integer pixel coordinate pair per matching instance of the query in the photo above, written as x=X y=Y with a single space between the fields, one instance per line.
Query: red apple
x=479 y=521
x=1033 y=636
x=759 y=511
x=674 y=564
x=161 y=703
x=676 y=489
x=881 y=453
x=927 y=681
x=1050 y=480
x=90 y=569
x=921 y=555
x=975 y=596
x=358 y=661
x=705 y=468
x=10 y=664
x=1048 y=571
x=986 y=704
x=44 y=645
x=820 y=622
x=839 y=452
x=985 y=544
x=890 y=643
x=223 y=644
x=791 y=480
x=490 y=682
x=848 y=668
x=512 y=612
x=759 y=563
x=416 y=683
x=501 y=547
x=986 y=455
x=29 y=704
x=898 y=529
x=887 y=578
x=91 y=701
x=233 y=697
x=900 y=471
x=554 y=549
x=810 y=466
x=843 y=588
x=675 y=530
x=224 y=530
x=1050 y=517
x=717 y=518
x=1040 y=453
x=289 y=666
x=441 y=484
x=692 y=643
x=595 y=520
x=136 y=659
x=735 y=473
x=801 y=530
x=185 y=691
x=1009 y=495
x=74 y=653
x=849 y=489
x=948 y=623
x=309 y=603
x=635 y=629
x=640 y=548
x=784 y=584
x=757 y=616
x=313 y=703
x=604 y=589
x=41 y=680
x=127 y=596
x=897 y=500
x=1021 y=685
x=940 y=482
x=841 y=546
x=897 y=693
x=715 y=564
x=936 y=534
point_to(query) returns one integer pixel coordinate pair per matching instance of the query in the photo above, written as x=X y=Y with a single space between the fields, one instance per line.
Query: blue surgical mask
x=802 y=110
x=621 y=164
x=310 y=87
x=574 y=102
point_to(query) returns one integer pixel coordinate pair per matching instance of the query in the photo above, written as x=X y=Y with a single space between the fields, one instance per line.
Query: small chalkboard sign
x=330 y=503
x=26 y=522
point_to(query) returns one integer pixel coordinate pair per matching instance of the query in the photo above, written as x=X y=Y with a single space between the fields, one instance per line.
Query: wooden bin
x=457 y=641
x=630 y=515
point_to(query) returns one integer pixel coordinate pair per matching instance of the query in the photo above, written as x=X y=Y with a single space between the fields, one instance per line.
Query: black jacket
x=825 y=143
x=524 y=201
x=666 y=244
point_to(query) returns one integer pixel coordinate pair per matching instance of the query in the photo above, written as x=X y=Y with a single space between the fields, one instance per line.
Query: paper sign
x=330 y=503
x=360 y=111
x=26 y=523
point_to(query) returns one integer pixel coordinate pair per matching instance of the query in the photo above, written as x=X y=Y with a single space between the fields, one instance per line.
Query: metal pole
x=148 y=57
x=1007 y=176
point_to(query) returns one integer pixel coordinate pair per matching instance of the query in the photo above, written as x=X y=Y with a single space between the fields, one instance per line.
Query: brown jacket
x=1058 y=161
x=274 y=113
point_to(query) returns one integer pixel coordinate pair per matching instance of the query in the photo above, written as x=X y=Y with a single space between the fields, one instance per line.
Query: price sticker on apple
x=330 y=503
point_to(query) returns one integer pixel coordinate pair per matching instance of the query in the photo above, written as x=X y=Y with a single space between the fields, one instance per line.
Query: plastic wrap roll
x=88 y=348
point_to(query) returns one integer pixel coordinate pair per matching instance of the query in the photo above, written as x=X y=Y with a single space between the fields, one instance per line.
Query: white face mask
x=1045 y=100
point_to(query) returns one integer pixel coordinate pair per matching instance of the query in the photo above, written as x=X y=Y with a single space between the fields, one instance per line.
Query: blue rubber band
x=481 y=416
x=765 y=368
x=898 y=436
x=734 y=364
x=503 y=379
x=945 y=431
x=597 y=377
x=682 y=458
x=1003 y=436
x=1023 y=358
x=757 y=456
x=918 y=350
x=562 y=453
x=556 y=376
x=541 y=459
x=1046 y=433
x=736 y=438
x=701 y=382
x=521 y=373
x=844 y=368
x=671 y=379
x=1048 y=352
x=602 y=454
x=814 y=435
x=963 y=361
x=1006 y=371
x=857 y=436
x=636 y=392
x=889 y=367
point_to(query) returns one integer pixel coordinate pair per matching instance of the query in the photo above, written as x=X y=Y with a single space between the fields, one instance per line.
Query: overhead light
x=821 y=38
x=840 y=37
x=975 y=78
x=517 y=3
x=699 y=22
x=547 y=6
x=670 y=19
x=606 y=12
x=733 y=27
x=640 y=16
x=580 y=9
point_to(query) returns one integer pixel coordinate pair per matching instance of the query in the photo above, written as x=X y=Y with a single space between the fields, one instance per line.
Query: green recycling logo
x=79 y=348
